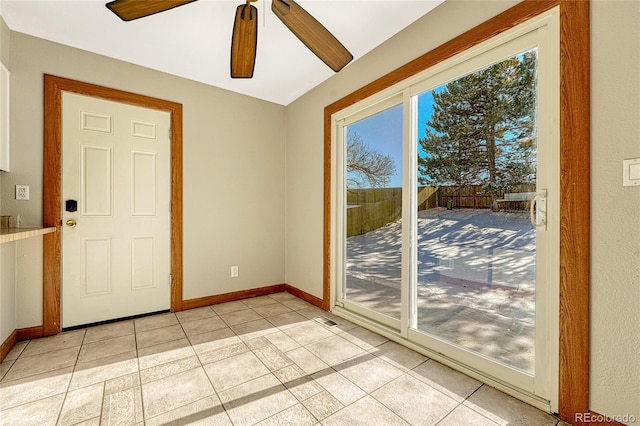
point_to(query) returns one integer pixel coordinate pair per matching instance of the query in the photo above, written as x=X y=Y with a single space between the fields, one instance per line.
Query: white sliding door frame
x=541 y=389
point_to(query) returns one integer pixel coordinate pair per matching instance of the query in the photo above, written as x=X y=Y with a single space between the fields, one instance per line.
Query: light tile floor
x=270 y=360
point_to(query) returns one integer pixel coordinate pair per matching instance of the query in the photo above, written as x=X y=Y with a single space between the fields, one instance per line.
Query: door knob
x=71 y=223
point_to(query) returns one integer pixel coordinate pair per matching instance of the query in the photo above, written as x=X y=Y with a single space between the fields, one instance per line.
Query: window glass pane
x=477 y=161
x=373 y=211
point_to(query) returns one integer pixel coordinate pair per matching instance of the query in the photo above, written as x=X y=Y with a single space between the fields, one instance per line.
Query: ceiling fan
x=245 y=30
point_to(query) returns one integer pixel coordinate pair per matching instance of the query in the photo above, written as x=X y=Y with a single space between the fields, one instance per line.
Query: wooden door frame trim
x=573 y=395
x=52 y=184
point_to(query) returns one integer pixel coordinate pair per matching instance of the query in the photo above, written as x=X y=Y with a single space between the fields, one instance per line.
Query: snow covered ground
x=476 y=279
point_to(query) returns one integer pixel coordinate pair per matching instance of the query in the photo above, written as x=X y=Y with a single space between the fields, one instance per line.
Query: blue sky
x=383 y=131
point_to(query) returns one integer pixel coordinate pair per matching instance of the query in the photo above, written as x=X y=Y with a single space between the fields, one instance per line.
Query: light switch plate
x=631 y=172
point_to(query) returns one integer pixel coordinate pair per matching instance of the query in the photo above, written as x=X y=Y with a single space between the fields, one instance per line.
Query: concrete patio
x=476 y=279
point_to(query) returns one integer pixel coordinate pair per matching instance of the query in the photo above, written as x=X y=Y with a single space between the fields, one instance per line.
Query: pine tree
x=482 y=131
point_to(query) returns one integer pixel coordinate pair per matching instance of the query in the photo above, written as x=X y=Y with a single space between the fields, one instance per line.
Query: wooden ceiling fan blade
x=312 y=33
x=244 y=41
x=128 y=10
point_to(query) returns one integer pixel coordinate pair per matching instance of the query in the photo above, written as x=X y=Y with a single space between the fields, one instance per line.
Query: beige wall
x=5 y=40
x=7 y=251
x=233 y=170
x=615 y=229
x=615 y=365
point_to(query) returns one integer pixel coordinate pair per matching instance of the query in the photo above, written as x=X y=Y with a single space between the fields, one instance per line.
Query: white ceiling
x=194 y=40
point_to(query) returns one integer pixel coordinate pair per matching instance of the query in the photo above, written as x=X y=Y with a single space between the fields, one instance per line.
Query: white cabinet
x=4 y=118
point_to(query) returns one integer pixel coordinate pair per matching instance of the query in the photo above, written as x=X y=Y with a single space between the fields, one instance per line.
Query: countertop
x=13 y=234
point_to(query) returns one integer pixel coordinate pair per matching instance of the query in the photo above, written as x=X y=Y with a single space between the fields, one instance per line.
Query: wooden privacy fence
x=474 y=197
x=464 y=197
x=373 y=208
x=369 y=209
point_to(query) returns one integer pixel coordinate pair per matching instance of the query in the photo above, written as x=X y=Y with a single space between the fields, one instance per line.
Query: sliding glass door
x=447 y=227
x=476 y=245
x=373 y=211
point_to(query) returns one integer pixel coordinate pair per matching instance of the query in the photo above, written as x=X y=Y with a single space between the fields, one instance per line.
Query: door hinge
x=170 y=133
x=170 y=280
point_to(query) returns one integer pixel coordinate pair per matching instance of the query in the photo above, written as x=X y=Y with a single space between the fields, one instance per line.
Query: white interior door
x=116 y=244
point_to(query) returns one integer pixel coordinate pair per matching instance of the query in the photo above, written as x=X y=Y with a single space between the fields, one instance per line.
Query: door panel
x=373 y=267
x=143 y=262
x=95 y=256
x=96 y=181
x=95 y=122
x=476 y=270
x=116 y=163
x=143 y=184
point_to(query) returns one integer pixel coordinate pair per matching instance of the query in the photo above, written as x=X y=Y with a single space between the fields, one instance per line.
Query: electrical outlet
x=234 y=271
x=22 y=192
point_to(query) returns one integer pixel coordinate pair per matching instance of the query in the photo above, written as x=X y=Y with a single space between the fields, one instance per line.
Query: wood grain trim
x=301 y=294
x=176 y=209
x=29 y=333
x=574 y=181
x=8 y=344
x=327 y=206
x=52 y=211
x=233 y=296
x=575 y=131
x=52 y=171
